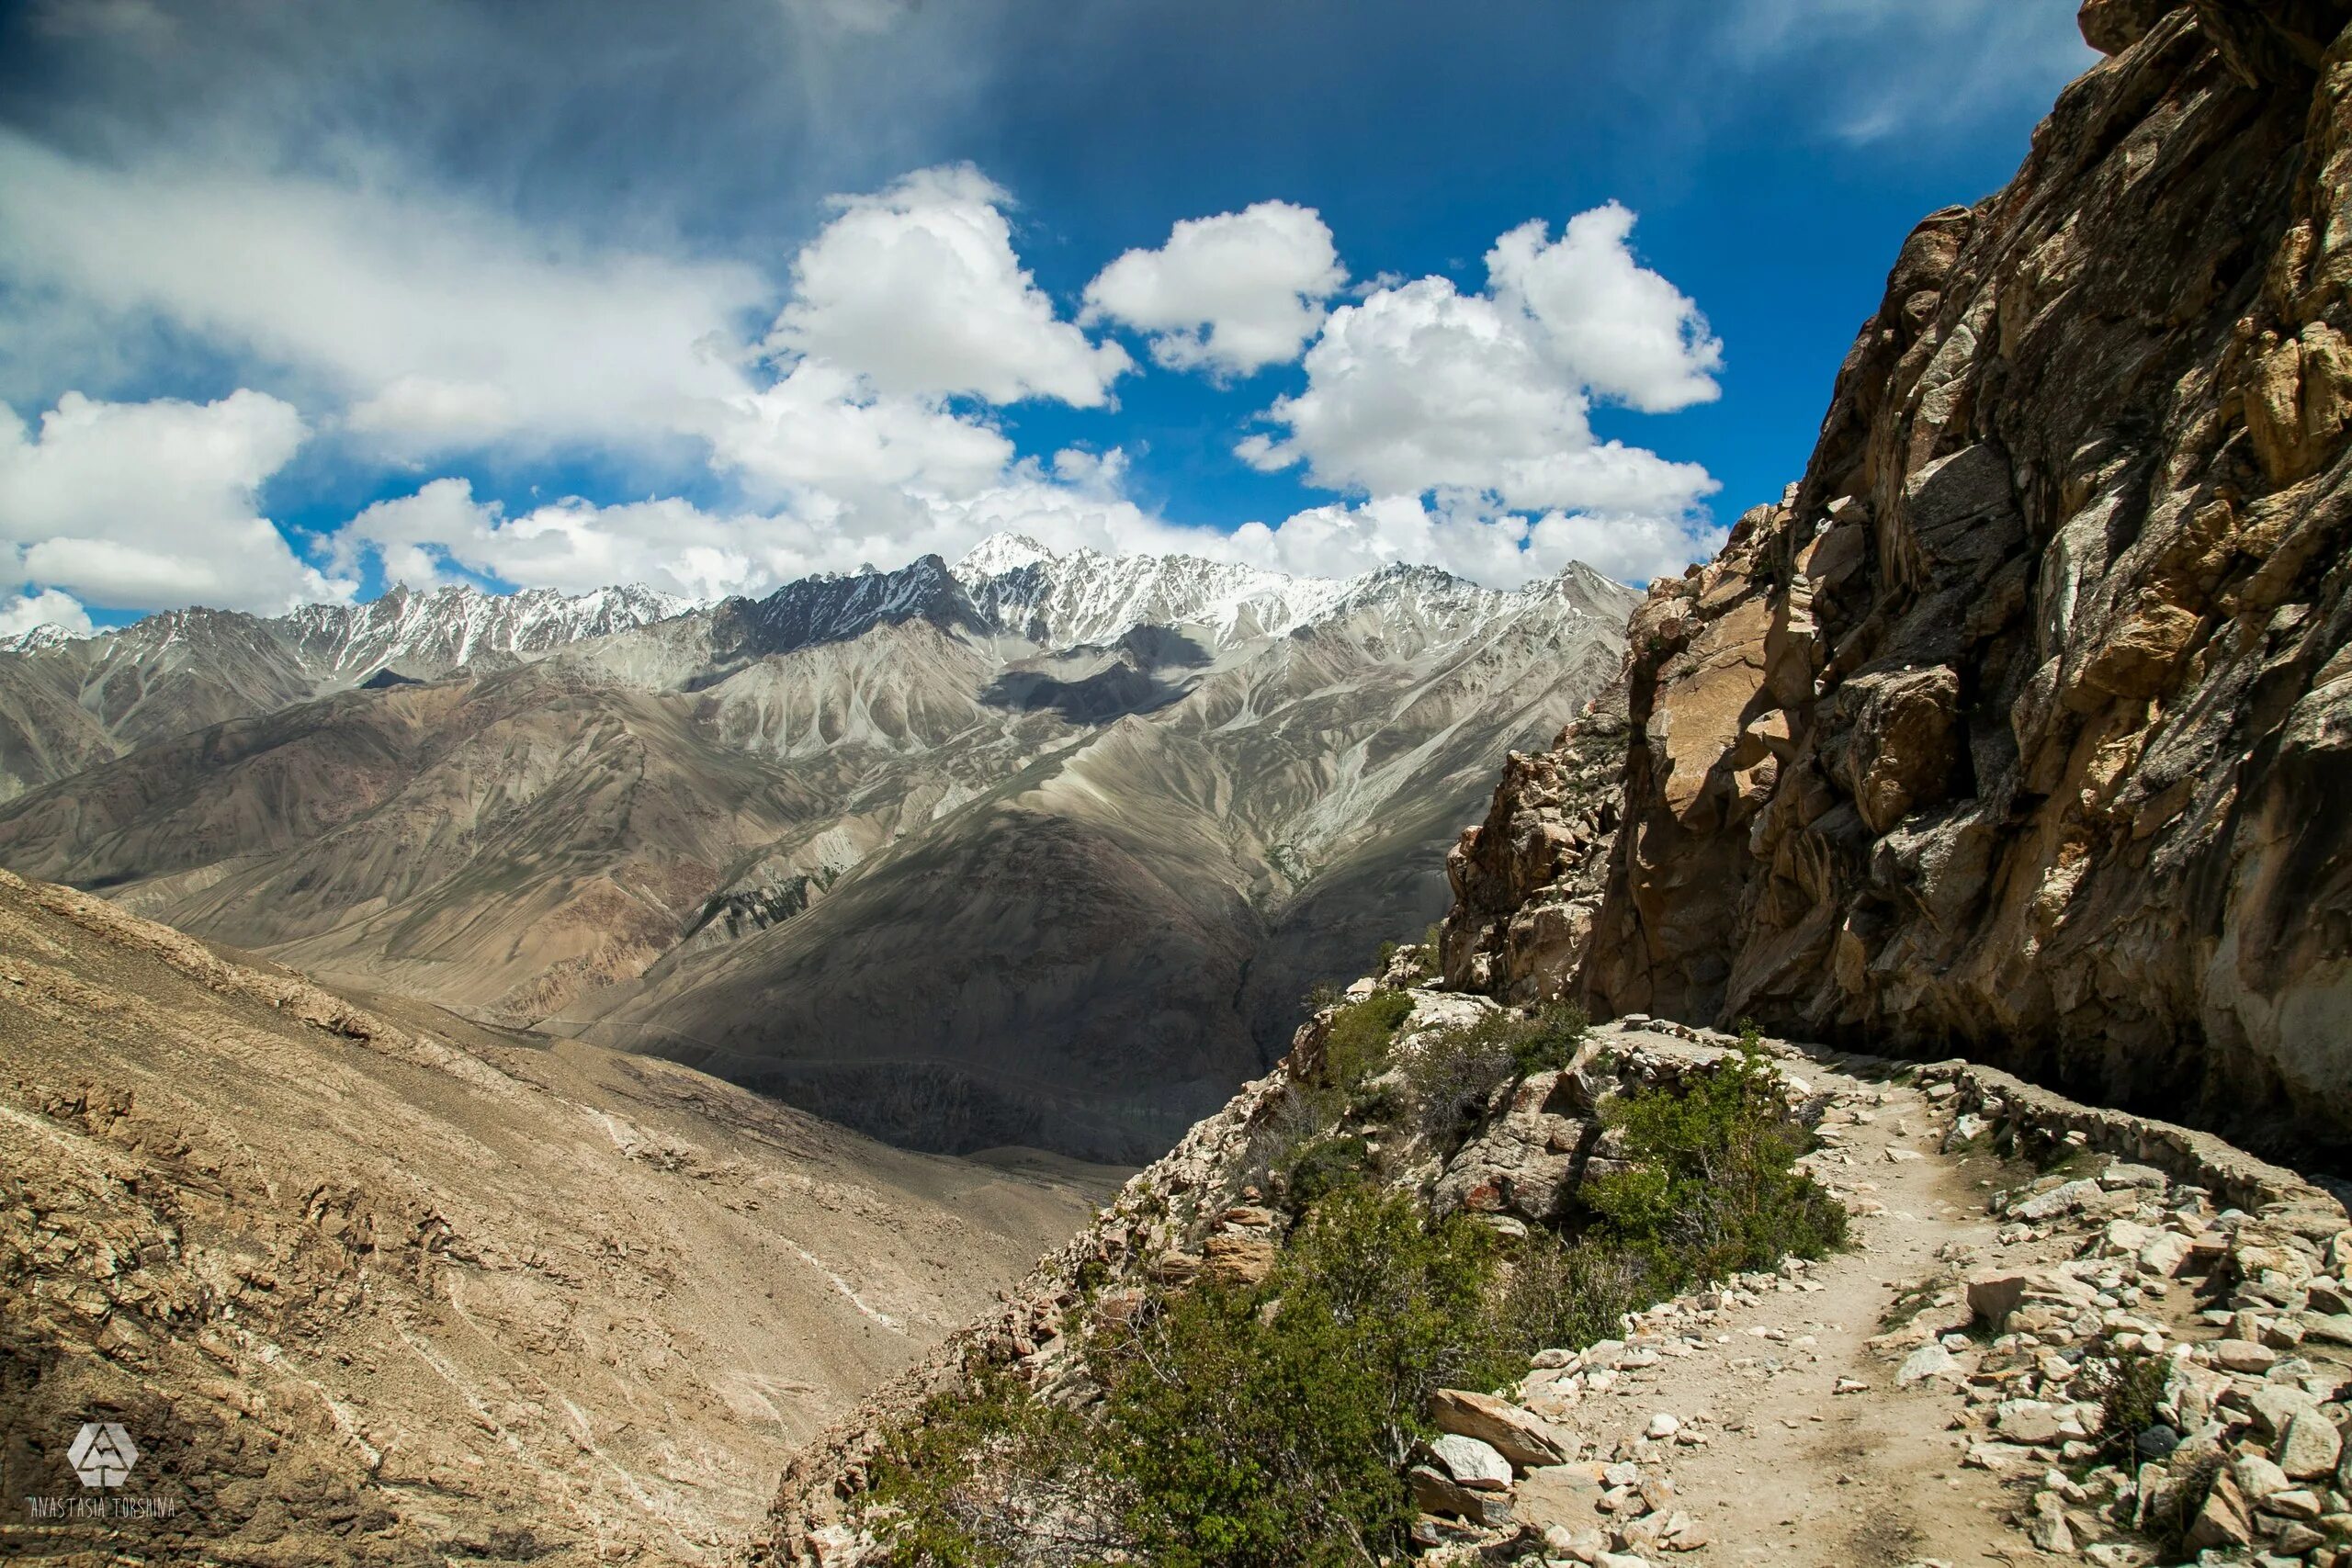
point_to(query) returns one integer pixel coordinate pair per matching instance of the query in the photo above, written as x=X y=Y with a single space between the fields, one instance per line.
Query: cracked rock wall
x=2022 y=726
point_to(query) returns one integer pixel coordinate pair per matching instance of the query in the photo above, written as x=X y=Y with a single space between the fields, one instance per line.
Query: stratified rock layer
x=2022 y=727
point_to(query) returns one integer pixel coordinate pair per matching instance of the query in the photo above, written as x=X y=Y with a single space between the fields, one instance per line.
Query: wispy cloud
x=1887 y=68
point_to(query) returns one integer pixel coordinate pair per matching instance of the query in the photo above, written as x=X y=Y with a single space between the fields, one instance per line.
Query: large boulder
x=1519 y=1436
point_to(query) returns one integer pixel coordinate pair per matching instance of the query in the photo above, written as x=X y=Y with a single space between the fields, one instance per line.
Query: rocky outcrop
x=1527 y=882
x=2022 y=726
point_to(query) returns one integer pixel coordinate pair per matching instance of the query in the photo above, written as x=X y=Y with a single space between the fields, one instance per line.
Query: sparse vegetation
x=1247 y=1427
x=1319 y=1166
x=1710 y=1186
x=1240 y=1429
x=1355 y=1048
x=2128 y=1389
x=993 y=1475
x=1549 y=1041
x=1357 y=1043
x=1455 y=1072
x=1267 y=1428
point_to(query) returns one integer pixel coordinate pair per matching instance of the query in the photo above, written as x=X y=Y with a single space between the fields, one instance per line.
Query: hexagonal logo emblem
x=103 y=1453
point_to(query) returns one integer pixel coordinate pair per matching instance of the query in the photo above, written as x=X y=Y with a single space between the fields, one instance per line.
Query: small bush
x=1549 y=1041
x=991 y=1477
x=2128 y=1389
x=1355 y=1047
x=1321 y=1165
x=1713 y=1190
x=1571 y=1293
x=1252 y=1429
x=1456 y=1071
x=1357 y=1043
x=1386 y=956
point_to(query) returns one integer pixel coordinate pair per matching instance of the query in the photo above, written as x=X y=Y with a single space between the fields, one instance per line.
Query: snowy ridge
x=47 y=635
x=1008 y=585
x=1083 y=597
x=832 y=607
x=417 y=634
x=439 y=631
x=1063 y=601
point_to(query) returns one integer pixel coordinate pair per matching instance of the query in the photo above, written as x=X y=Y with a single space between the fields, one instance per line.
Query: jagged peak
x=1005 y=551
x=34 y=639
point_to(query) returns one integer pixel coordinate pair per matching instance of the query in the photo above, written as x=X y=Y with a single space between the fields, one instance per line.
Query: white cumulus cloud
x=1603 y=318
x=152 y=505
x=1498 y=548
x=1231 y=294
x=918 y=289
x=822 y=428
x=48 y=607
x=443 y=533
x=1421 y=388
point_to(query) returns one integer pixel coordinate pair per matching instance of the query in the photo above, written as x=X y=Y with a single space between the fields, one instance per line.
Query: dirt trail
x=1790 y=1470
x=1775 y=1411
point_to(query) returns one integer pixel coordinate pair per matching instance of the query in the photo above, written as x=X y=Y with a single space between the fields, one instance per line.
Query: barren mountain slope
x=368 y=1283
x=1270 y=771
x=1093 y=956
x=2022 y=726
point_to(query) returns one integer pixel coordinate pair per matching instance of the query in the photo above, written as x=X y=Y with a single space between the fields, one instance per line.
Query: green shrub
x=1455 y=1071
x=1266 y=1427
x=1714 y=1189
x=1253 y=1429
x=1386 y=956
x=2128 y=1389
x=991 y=1477
x=1357 y=1043
x=1321 y=1165
x=1549 y=1041
x=1572 y=1292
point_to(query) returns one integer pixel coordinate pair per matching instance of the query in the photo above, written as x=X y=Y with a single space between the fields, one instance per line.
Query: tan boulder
x=1519 y=1436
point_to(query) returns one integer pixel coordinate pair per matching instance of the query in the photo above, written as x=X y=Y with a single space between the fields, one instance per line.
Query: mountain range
x=1033 y=849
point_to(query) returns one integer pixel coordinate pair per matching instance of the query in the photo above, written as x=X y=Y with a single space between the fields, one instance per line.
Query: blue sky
x=295 y=301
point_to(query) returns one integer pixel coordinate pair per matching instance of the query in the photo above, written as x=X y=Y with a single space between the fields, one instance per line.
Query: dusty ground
x=1791 y=1471
x=1795 y=1441
x=368 y=1283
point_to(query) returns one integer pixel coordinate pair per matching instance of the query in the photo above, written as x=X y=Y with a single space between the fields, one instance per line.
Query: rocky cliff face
x=2022 y=726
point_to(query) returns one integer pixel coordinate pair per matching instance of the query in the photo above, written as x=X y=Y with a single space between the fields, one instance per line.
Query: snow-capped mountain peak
x=1003 y=552
x=47 y=635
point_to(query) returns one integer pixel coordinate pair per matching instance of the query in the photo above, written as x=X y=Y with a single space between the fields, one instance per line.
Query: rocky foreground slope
x=367 y=1283
x=1956 y=1380
x=2022 y=727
